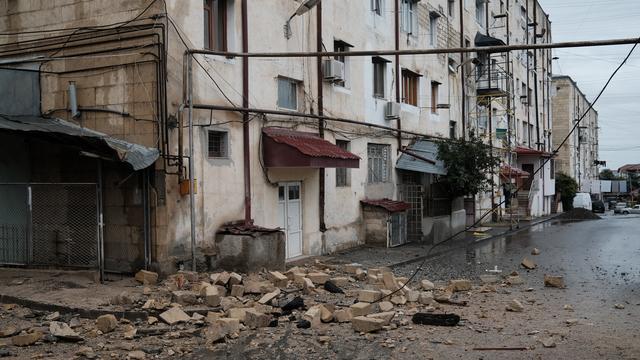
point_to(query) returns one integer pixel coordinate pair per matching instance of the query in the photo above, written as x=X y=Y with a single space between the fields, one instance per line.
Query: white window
x=377 y=6
x=433 y=28
x=217 y=144
x=287 y=93
x=379 y=159
x=409 y=16
x=341 y=46
x=480 y=13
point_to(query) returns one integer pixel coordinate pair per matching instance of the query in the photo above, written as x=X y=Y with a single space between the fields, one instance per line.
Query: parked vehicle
x=619 y=207
x=582 y=200
x=633 y=210
x=598 y=206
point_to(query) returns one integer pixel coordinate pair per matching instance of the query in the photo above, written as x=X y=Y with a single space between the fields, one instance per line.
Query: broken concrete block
x=554 y=281
x=152 y=320
x=237 y=313
x=308 y=285
x=212 y=296
x=340 y=281
x=327 y=311
x=147 y=277
x=442 y=296
x=343 y=315
x=221 y=278
x=199 y=287
x=184 y=297
x=366 y=324
x=213 y=316
x=460 y=285
x=489 y=279
x=351 y=268
x=427 y=285
x=269 y=296
x=386 y=316
x=412 y=295
x=190 y=276
x=373 y=279
x=535 y=251
x=369 y=296
x=314 y=315
x=258 y=287
x=514 y=280
x=360 y=275
x=515 y=306
x=237 y=290
x=235 y=279
x=548 y=342
x=385 y=306
x=129 y=332
x=619 y=306
x=360 y=309
x=278 y=279
x=318 y=278
x=26 y=339
x=389 y=281
x=63 y=331
x=528 y=264
x=106 y=323
x=174 y=316
x=255 y=319
x=222 y=328
x=398 y=299
x=230 y=302
x=136 y=355
x=426 y=298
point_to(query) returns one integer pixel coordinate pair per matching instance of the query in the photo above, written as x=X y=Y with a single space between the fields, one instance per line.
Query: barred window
x=217 y=145
x=379 y=170
x=438 y=201
x=342 y=174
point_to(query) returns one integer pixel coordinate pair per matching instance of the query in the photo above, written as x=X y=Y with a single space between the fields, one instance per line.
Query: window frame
x=343 y=175
x=453 y=129
x=435 y=95
x=212 y=9
x=409 y=16
x=378 y=163
x=223 y=146
x=342 y=46
x=410 y=87
x=377 y=7
x=294 y=83
x=379 y=77
x=433 y=28
x=481 y=17
x=451 y=8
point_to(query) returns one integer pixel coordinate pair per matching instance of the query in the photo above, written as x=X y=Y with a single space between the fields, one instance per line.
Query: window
x=409 y=16
x=377 y=6
x=287 y=93
x=342 y=174
x=531 y=135
x=215 y=25
x=341 y=46
x=552 y=167
x=435 y=87
x=379 y=75
x=217 y=144
x=379 y=158
x=451 y=8
x=529 y=96
x=480 y=13
x=433 y=28
x=452 y=129
x=525 y=133
x=410 y=87
x=438 y=201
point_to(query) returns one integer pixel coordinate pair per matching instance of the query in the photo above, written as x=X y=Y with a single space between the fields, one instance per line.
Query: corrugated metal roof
x=521 y=150
x=507 y=171
x=425 y=149
x=388 y=204
x=309 y=144
x=138 y=156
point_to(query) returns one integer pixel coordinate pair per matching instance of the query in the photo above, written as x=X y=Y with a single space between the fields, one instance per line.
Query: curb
x=492 y=237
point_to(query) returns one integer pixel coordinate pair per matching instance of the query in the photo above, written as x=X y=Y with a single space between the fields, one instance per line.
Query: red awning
x=521 y=150
x=288 y=148
x=387 y=204
x=508 y=171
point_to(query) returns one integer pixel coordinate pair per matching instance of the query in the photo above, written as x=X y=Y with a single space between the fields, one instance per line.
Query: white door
x=290 y=215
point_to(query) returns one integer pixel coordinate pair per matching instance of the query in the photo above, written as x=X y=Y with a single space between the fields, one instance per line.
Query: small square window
x=218 y=143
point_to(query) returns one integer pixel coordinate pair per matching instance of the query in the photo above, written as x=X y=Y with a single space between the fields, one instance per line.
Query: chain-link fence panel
x=14 y=224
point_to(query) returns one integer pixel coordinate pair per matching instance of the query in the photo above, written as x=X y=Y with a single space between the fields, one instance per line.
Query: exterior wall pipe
x=246 y=150
x=192 y=187
x=397 y=61
x=321 y=175
x=535 y=73
x=463 y=74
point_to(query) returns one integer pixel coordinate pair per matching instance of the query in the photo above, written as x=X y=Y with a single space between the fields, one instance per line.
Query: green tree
x=607 y=174
x=567 y=187
x=468 y=163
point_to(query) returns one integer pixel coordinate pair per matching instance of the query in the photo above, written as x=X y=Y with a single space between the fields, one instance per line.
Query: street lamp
x=302 y=9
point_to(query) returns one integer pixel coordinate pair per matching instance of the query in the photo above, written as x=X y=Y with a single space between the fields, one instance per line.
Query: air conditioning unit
x=392 y=110
x=333 y=70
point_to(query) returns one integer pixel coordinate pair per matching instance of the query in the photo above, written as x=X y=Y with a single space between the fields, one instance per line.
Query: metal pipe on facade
x=321 y=175
x=535 y=73
x=246 y=149
x=192 y=187
x=463 y=74
x=397 y=75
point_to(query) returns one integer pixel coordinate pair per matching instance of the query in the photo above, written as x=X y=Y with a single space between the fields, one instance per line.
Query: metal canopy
x=65 y=132
x=424 y=149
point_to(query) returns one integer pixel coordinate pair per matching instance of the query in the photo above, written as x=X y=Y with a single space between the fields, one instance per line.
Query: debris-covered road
x=503 y=315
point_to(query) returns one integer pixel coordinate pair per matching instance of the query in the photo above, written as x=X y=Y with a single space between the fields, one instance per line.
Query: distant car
x=620 y=206
x=598 y=206
x=582 y=200
x=633 y=210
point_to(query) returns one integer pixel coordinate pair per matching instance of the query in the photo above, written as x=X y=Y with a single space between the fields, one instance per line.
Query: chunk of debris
x=412 y=295
x=62 y=331
x=295 y=303
x=360 y=309
x=436 y=319
x=528 y=264
x=460 y=285
x=258 y=287
x=174 y=315
x=352 y=268
x=514 y=280
x=314 y=316
x=278 y=279
x=331 y=287
x=267 y=298
x=130 y=332
x=426 y=298
x=360 y=275
x=8 y=331
x=318 y=278
x=515 y=306
x=212 y=296
x=427 y=285
x=619 y=306
x=303 y=324
x=489 y=279
x=369 y=296
x=385 y=306
x=255 y=319
x=365 y=324
x=136 y=355
x=343 y=315
x=548 y=342
x=554 y=281
x=53 y=316
x=237 y=290
x=221 y=279
x=237 y=313
x=86 y=352
x=152 y=320
x=26 y=339
x=147 y=277
x=535 y=251
x=398 y=299
x=338 y=281
x=222 y=328
x=185 y=297
x=106 y=323
x=567 y=307
x=389 y=281
x=326 y=313
x=571 y=322
x=386 y=316
x=235 y=279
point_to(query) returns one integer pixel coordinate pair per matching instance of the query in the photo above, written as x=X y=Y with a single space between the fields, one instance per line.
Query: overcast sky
x=619 y=107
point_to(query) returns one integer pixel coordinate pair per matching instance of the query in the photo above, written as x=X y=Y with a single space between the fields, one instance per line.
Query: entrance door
x=528 y=168
x=290 y=215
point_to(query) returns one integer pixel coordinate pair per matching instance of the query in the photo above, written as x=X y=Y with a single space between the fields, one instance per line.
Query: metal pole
x=397 y=61
x=462 y=74
x=321 y=171
x=100 y=222
x=192 y=187
x=246 y=148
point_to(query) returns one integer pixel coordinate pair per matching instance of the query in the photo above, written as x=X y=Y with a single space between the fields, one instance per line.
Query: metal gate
x=50 y=225
x=398 y=229
x=414 y=195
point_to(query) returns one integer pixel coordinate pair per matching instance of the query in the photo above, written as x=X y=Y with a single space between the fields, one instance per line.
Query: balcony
x=491 y=81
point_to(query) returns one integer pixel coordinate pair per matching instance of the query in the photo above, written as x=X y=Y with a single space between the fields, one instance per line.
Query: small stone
x=8 y=331
x=385 y=306
x=528 y=264
x=147 y=277
x=211 y=296
x=152 y=320
x=314 y=316
x=535 y=251
x=369 y=296
x=278 y=279
x=385 y=316
x=460 y=285
x=220 y=278
x=567 y=307
x=548 y=342
x=136 y=355
x=489 y=279
x=571 y=321
x=360 y=309
x=53 y=316
x=197 y=316
x=237 y=313
x=326 y=313
x=255 y=319
x=174 y=316
x=399 y=299
x=86 y=352
x=515 y=306
x=554 y=281
x=258 y=287
x=106 y=323
x=63 y=331
x=412 y=295
x=389 y=281
x=343 y=315
x=352 y=268
x=26 y=339
x=619 y=306
x=365 y=324
x=267 y=298
x=237 y=290
x=426 y=298
x=514 y=280
x=130 y=332
x=340 y=281
x=184 y=297
x=235 y=279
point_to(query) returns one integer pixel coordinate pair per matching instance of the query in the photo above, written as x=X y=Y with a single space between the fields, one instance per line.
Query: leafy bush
x=568 y=188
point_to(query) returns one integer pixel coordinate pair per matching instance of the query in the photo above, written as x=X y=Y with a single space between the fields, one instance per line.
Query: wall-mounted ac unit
x=333 y=70
x=392 y=110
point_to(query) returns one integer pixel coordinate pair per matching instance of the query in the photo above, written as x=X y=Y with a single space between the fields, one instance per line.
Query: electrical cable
x=495 y=207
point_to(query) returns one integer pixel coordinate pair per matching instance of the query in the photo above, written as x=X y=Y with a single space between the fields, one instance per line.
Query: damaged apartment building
x=135 y=135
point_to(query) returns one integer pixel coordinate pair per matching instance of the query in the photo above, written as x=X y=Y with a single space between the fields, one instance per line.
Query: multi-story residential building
x=579 y=156
x=114 y=110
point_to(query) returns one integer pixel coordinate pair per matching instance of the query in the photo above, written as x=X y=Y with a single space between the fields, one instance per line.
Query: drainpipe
x=246 y=151
x=535 y=71
x=489 y=74
x=397 y=47
x=462 y=74
x=321 y=175
x=192 y=187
